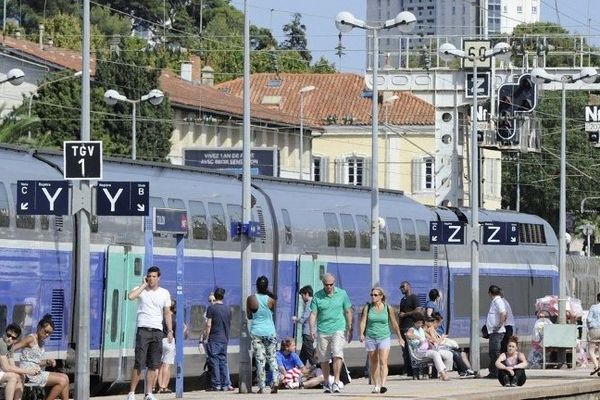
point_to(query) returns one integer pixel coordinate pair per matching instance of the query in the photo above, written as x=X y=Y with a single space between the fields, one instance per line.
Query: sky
x=577 y=16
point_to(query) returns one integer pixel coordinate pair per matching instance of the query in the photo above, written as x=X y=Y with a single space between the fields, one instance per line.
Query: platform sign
x=501 y=233
x=82 y=159
x=42 y=198
x=170 y=221
x=482 y=84
x=122 y=198
x=446 y=232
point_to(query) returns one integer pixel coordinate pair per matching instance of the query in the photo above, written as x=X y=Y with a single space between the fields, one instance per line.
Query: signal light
x=594 y=137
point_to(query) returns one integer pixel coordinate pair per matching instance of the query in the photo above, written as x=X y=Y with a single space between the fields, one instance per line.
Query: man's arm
x=7 y=366
x=312 y=322
x=136 y=291
x=348 y=315
x=207 y=328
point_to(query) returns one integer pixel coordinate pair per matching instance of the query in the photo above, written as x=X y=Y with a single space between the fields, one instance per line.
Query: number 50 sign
x=82 y=160
x=477 y=49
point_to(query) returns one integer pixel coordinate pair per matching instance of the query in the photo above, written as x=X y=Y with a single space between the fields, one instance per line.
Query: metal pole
x=518 y=207
x=4 y=20
x=82 y=302
x=301 y=133
x=180 y=311
x=245 y=360
x=474 y=200
x=562 y=223
x=133 y=132
x=374 y=171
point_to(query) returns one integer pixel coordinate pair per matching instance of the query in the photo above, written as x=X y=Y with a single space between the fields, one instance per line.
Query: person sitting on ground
x=10 y=374
x=420 y=349
x=463 y=366
x=313 y=379
x=32 y=355
x=511 y=365
x=291 y=368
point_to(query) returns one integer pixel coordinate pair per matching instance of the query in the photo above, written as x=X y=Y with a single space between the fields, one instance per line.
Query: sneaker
x=335 y=387
x=462 y=374
x=131 y=396
x=470 y=372
x=505 y=380
x=149 y=396
x=327 y=388
x=376 y=389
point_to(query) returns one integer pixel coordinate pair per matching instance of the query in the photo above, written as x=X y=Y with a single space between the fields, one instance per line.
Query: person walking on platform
x=508 y=324
x=409 y=308
x=593 y=325
x=331 y=317
x=495 y=326
x=218 y=323
x=259 y=310
x=154 y=306
x=307 y=352
x=511 y=365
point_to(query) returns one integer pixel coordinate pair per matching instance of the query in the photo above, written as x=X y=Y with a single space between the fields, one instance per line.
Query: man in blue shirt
x=307 y=352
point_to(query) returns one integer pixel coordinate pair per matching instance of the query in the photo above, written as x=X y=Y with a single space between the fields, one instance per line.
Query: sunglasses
x=14 y=337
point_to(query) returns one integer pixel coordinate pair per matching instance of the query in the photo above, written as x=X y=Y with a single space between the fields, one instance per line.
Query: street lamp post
x=305 y=89
x=447 y=52
x=345 y=22
x=155 y=97
x=386 y=178
x=539 y=75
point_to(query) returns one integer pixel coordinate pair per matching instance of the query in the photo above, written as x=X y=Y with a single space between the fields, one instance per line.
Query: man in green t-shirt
x=331 y=319
x=10 y=374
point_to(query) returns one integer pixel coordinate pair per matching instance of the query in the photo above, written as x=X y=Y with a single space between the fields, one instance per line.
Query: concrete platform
x=556 y=383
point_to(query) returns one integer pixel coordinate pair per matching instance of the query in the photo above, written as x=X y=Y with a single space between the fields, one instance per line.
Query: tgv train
x=306 y=229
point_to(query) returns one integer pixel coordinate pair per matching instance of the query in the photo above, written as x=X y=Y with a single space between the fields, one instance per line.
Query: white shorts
x=377 y=344
x=1 y=375
x=330 y=345
x=168 y=351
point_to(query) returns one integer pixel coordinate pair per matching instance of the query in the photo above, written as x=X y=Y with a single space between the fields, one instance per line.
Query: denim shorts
x=377 y=344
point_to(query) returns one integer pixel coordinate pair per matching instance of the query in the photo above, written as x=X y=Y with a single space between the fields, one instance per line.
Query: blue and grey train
x=306 y=228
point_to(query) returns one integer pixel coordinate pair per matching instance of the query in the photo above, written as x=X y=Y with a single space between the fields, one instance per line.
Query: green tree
x=295 y=31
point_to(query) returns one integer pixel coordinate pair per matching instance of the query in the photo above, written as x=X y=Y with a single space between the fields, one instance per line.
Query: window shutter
x=325 y=169
x=339 y=171
x=416 y=175
x=366 y=171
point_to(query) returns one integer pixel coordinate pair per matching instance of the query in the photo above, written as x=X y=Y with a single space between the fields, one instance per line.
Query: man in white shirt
x=508 y=324
x=496 y=319
x=154 y=306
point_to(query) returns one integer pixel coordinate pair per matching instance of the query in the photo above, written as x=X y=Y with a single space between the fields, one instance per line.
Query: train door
x=123 y=272
x=310 y=270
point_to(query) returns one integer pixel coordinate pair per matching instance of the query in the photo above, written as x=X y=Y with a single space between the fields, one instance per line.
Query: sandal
x=165 y=390
x=595 y=371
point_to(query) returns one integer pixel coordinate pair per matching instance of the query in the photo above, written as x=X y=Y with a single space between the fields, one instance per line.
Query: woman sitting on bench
x=421 y=349
x=32 y=353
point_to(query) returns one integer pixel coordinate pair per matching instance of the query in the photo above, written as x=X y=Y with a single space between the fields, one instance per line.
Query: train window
x=383 y=238
x=23 y=221
x=234 y=331
x=45 y=222
x=4 y=210
x=176 y=203
x=235 y=215
x=333 y=229
x=23 y=316
x=114 y=316
x=137 y=266
x=395 y=233
x=522 y=233
x=423 y=230
x=287 y=223
x=364 y=231
x=349 y=230
x=197 y=321
x=409 y=234
x=542 y=234
x=3 y=317
x=217 y=218
x=156 y=202
x=199 y=223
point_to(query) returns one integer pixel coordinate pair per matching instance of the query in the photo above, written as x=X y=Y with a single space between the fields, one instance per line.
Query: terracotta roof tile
x=335 y=94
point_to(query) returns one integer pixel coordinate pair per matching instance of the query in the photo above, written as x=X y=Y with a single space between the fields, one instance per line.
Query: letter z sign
x=82 y=160
x=447 y=232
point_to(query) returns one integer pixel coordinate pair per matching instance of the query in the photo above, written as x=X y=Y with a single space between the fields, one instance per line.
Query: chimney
x=196 y=66
x=41 y=30
x=208 y=76
x=186 y=71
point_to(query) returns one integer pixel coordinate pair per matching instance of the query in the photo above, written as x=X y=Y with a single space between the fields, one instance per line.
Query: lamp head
x=307 y=89
x=15 y=76
x=111 y=97
x=405 y=21
x=540 y=76
x=155 y=97
x=448 y=51
x=588 y=74
x=345 y=21
x=502 y=51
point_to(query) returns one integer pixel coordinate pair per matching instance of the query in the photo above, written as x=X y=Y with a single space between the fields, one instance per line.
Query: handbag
x=450 y=343
x=484 y=332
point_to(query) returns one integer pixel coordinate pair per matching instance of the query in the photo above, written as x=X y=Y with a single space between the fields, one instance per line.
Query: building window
x=423 y=174
x=355 y=171
x=320 y=169
x=534 y=10
x=519 y=9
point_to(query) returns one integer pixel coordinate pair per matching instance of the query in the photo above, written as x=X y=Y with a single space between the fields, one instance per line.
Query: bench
x=419 y=365
x=30 y=392
x=561 y=336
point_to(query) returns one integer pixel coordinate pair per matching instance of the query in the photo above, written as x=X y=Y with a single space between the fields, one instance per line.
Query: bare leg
x=337 y=368
x=135 y=379
x=11 y=379
x=164 y=376
x=374 y=368
x=592 y=354
x=465 y=359
x=383 y=365
x=325 y=369
x=18 y=390
x=60 y=386
x=151 y=376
